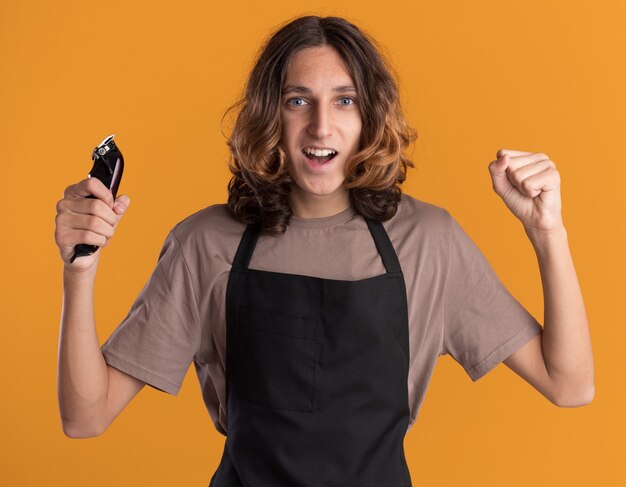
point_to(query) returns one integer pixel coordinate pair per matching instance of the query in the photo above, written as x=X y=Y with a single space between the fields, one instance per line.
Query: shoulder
x=415 y=215
x=413 y=207
x=419 y=231
x=213 y=225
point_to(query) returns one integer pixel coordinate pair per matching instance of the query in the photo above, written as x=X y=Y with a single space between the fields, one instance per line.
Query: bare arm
x=566 y=339
x=90 y=392
x=559 y=360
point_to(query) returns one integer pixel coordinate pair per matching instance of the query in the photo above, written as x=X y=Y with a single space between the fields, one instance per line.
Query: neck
x=318 y=206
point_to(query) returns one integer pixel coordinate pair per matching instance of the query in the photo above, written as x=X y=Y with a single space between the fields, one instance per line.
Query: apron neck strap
x=246 y=246
x=384 y=246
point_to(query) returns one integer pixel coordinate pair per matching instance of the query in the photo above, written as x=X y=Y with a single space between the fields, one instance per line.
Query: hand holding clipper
x=108 y=166
x=89 y=212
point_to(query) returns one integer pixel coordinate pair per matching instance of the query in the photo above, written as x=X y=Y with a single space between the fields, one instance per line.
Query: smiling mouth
x=319 y=159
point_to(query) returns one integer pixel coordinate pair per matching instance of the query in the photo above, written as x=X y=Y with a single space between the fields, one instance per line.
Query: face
x=319 y=110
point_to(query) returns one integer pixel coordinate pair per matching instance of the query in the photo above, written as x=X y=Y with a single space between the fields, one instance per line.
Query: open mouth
x=319 y=159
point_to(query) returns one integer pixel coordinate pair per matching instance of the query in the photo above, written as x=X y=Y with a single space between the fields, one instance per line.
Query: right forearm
x=82 y=370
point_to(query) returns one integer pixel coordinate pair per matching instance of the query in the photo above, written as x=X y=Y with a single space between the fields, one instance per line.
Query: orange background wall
x=539 y=76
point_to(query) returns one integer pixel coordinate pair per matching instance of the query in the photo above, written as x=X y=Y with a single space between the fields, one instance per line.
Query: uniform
x=455 y=304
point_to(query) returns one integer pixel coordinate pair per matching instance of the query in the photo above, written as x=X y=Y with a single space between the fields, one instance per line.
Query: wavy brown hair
x=259 y=188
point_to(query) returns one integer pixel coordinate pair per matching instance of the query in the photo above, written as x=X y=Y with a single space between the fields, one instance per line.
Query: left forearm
x=566 y=340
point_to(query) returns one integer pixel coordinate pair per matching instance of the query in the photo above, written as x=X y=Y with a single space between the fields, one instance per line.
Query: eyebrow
x=305 y=90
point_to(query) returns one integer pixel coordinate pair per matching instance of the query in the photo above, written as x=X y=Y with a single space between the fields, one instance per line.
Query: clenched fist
x=530 y=186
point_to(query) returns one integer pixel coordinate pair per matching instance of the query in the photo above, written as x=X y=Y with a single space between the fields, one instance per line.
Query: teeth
x=318 y=152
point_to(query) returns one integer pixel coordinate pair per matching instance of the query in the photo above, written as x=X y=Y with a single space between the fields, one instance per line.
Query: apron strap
x=246 y=246
x=384 y=246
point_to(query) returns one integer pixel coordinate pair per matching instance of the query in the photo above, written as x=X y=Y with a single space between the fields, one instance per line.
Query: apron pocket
x=276 y=360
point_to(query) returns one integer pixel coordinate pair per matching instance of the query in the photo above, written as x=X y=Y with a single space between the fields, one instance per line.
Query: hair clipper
x=108 y=166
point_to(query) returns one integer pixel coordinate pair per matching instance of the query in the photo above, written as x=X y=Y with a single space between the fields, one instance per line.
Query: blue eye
x=349 y=99
x=294 y=99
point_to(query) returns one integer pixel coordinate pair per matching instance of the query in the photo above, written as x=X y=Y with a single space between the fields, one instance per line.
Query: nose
x=320 y=123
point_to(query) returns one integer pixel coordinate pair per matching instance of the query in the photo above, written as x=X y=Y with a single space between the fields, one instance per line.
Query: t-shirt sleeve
x=483 y=322
x=159 y=337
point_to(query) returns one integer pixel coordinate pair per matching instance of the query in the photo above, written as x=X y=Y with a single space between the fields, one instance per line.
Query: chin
x=316 y=189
